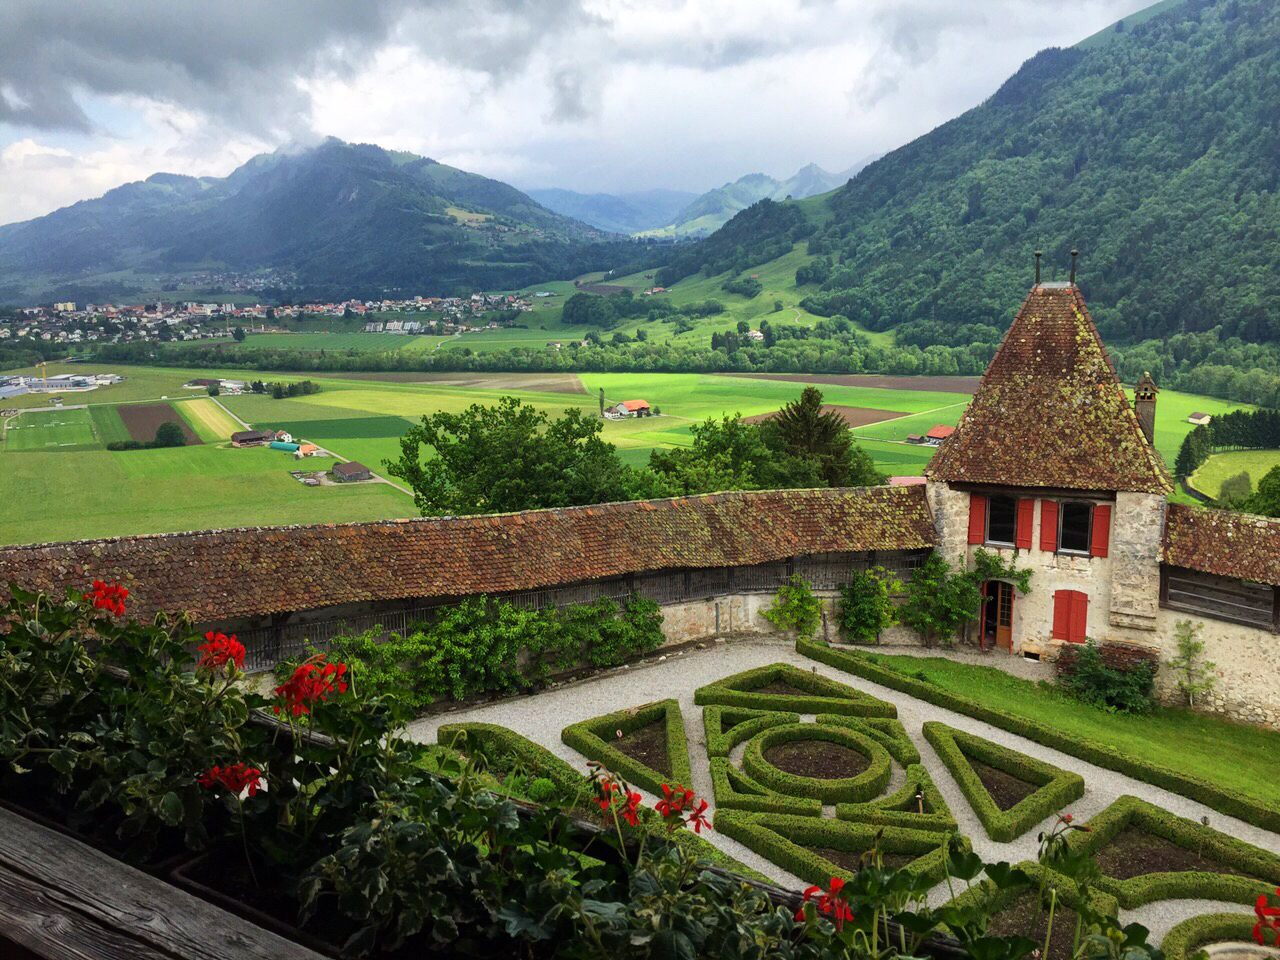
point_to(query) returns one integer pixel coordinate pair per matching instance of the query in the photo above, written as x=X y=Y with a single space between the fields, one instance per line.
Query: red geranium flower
x=235 y=778
x=311 y=683
x=108 y=596
x=607 y=787
x=221 y=650
x=830 y=902
x=1268 y=920
x=677 y=800
x=629 y=811
x=697 y=818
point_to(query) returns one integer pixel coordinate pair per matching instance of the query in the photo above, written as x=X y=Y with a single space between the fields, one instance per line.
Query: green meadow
x=1208 y=479
x=57 y=481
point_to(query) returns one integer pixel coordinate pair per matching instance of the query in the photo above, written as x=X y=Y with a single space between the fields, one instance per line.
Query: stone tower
x=1144 y=405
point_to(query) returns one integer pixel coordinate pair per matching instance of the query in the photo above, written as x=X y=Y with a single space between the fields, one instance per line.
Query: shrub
x=795 y=608
x=743 y=725
x=1185 y=939
x=1107 y=678
x=820 y=695
x=939 y=602
x=1056 y=787
x=1194 y=677
x=866 y=604
x=595 y=739
x=902 y=808
x=1262 y=866
x=169 y=434
x=886 y=731
x=1236 y=487
x=1210 y=794
x=735 y=790
x=864 y=786
x=542 y=790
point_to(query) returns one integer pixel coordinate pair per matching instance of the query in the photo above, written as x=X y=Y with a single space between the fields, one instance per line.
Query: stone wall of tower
x=1137 y=533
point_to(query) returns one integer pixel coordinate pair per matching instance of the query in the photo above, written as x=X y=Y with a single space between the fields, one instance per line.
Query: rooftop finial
x=1039 y=254
x=1074 y=253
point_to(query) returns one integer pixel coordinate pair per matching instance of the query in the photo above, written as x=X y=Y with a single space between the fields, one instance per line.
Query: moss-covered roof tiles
x=1237 y=545
x=1050 y=411
x=249 y=572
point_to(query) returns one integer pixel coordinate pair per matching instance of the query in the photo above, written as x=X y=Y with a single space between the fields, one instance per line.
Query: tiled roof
x=247 y=572
x=1050 y=411
x=1238 y=545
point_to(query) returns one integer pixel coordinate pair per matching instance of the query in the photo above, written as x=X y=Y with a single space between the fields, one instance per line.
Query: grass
x=360 y=342
x=57 y=496
x=106 y=420
x=51 y=431
x=1208 y=479
x=208 y=419
x=1227 y=754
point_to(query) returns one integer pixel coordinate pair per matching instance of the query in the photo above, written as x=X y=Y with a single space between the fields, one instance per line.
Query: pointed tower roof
x=1050 y=411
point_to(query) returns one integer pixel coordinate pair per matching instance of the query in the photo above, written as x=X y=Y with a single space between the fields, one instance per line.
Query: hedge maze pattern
x=815 y=822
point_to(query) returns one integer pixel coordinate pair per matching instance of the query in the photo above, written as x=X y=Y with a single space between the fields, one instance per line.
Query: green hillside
x=1156 y=153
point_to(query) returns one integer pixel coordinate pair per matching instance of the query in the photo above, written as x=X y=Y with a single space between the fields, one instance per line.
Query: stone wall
x=741 y=615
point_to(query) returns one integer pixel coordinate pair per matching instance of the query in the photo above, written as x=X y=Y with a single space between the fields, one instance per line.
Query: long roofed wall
x=226 y=574
x=1050 y=411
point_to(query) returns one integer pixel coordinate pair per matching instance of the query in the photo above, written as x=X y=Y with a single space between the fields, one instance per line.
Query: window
x=1075 y=526
x=1002 y=520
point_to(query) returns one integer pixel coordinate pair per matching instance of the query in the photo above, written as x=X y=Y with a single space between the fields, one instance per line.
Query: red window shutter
x=1078 y=626
x=977 y=518
x=1026 y=517
x=1061 y=613
x=1049 y=526
x=1101 y=533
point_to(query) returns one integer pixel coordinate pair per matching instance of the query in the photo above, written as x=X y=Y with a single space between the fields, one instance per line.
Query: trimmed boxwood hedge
x=822 y=695
x=735 y=790
x=888 y=732
x=1210 y=794
x=868 y=784
x=1057 y=787
x=899 y=808
x=1189 y=936
x=779 y=838
x=745 y=724
x=1137 y=891
x=594 y=738
x=1068 y=892
x=489 y=737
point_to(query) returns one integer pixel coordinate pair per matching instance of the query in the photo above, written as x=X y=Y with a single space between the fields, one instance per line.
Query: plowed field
x=142 y=420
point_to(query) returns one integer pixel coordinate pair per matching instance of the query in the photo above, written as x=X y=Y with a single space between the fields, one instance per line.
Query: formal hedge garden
x=644 y=745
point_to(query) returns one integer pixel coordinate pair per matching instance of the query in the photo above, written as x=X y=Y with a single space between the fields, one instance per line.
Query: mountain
x=336 y=215
x=1155 y=151
x=714 y=208
x=618 y=213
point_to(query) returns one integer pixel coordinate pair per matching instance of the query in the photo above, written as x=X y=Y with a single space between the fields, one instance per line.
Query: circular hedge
x=867 y=785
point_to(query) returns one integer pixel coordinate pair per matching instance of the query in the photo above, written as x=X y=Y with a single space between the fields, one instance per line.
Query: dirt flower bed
x=816 y=758
x=648 y=745
x=1135 y=853
x=1007 y=790
x=1016 y=920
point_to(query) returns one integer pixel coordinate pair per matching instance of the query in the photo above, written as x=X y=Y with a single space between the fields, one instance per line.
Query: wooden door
x=1004 y=615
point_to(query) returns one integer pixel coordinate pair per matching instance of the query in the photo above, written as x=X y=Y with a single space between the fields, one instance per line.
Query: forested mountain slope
x=1157 y=153
x=337 y=214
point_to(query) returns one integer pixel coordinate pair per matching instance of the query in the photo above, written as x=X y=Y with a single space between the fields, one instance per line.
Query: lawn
x=58 y=496
x=1227 y=754
x=209 y=420
x=51 y=430
x=106 y=420
x=1208 y=479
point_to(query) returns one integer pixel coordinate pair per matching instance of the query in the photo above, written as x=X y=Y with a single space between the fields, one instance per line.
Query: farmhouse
x=937 y=434
x=1200 y=419
x=1050 y=468
x=350 y=472
x=632 y=408
x=249 y=438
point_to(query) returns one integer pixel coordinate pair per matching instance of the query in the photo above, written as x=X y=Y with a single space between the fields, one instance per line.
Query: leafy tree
x=169 y=434
x=940 y=602
x=238 y=334
x=867 y=604
x=214 y=390
x=508 y=457
x=1195 y=676
x=1266 y=500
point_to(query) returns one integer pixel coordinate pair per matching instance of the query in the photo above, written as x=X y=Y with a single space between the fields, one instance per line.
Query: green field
x=1208 y=479
x=68 y=494
x=364 y=342
x=53 y=431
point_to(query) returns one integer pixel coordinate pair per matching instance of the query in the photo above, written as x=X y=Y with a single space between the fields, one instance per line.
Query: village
x=72 y=323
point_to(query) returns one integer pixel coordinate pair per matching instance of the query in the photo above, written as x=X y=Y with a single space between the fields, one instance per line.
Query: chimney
x=1144 y=405
x=1074 y=253
x=1038 y=256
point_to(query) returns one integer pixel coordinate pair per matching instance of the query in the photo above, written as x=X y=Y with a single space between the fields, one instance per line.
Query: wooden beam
x=64 y=900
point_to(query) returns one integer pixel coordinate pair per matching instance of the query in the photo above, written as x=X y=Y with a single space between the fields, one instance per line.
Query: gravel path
x=541 y=717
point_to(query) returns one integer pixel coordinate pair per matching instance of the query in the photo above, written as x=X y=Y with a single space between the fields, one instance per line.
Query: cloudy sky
x=592 y=95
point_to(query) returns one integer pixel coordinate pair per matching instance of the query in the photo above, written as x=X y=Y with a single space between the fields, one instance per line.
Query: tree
x=507 y=457
x=277 y=391
x=1266 y=500
x=169 y=434
x=214 y=390
x=238 y=334
x=821 y=438
x=1195 y=677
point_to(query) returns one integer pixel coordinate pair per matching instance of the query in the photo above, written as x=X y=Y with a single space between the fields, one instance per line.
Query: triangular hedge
x=818 y=694
x=726 y=727
x=595 y=739
x=1055 y=788
x=783 y=840
x=901 y=809
x=1261 y=867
